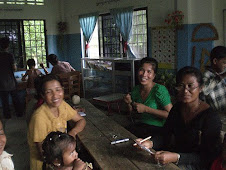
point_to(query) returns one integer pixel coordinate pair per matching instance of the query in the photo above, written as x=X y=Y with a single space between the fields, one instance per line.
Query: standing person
x=58 y=66
x=6 y=162
x=192 y=124
x=214 y=89
x=151 y=100
x=32 y=73
x=7 y=80
x=52 y=115
x=59 y=152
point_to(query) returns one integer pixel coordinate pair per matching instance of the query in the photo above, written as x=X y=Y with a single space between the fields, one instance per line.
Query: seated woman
x=192 y=123
x=149 y=99
x=50 y=116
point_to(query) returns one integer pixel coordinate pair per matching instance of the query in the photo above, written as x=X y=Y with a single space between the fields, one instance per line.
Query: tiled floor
x=16 y=133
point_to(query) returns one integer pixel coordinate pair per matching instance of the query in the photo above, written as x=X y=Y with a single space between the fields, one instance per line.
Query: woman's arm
x=80 y=123
x=141 y=108
x=127 y=99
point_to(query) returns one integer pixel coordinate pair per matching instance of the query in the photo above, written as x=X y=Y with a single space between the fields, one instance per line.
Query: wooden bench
x=97 y=136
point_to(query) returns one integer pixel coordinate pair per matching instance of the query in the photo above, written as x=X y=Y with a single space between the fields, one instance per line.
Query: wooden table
x=100 y=130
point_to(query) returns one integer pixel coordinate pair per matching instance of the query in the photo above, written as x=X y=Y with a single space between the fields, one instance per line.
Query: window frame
x=121 y=42
x=101 y=36
x=21 y=40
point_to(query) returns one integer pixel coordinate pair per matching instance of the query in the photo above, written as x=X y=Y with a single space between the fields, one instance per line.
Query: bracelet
x=178 y=158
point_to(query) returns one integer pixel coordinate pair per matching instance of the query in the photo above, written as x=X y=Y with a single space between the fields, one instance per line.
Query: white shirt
x=6 y=162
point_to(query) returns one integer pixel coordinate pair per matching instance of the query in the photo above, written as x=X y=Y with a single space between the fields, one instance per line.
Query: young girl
x=5 y=158
x=52 y=115
x=32 y=73
x=59 y=153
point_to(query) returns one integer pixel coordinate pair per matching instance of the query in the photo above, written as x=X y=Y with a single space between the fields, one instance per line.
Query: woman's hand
x=140 y=108
x=165 y=157
x=127 y=99
x=148 y=144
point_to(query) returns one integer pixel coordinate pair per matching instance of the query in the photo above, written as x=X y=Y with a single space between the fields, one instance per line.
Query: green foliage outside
x=34 y=38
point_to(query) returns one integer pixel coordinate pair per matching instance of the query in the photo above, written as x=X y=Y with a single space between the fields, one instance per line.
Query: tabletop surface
x=97 y=136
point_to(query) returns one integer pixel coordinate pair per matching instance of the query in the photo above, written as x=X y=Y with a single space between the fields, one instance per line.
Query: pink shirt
x=62 y=67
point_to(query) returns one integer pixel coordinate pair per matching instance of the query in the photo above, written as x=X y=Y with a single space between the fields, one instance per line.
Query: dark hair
x=4 y=42
x=30 y=63
x=151 y=61
x=189 y=70
x=52 y=58
x=218 y=52
x=54 y=145
x=45 y=79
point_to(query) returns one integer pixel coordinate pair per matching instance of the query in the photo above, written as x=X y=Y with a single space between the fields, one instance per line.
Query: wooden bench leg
x=118 y=107
x=109 y=109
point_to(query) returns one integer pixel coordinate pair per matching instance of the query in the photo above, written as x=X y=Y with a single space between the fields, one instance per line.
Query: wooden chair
x=71 y=83
x=75 y=83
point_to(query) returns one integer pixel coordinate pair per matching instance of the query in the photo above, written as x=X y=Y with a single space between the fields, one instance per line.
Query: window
x=22 y=2
x=27 y=40
x=111 y=39
x=110 y=42
x=138 y=40
x=34 y=39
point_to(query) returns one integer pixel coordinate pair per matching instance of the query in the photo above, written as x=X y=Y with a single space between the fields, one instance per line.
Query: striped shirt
x=214 y=90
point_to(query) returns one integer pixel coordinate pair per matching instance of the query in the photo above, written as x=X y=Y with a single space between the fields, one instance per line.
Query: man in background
x=58 y=66
x=7 y=80
x=214 y=89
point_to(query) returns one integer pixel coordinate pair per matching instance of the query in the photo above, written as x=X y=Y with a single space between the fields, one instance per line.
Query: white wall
x=157 y=10
x=204 y=11
x=195 y=11
x=50 y=12
x=218 y=7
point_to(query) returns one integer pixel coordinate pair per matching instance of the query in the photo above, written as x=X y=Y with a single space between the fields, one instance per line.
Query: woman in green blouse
x=149 y=99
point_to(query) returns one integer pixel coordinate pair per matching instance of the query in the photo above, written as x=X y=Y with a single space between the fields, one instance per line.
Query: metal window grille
x=22 y=2
x=34 y=39
x=110 y=40
x=27 y=40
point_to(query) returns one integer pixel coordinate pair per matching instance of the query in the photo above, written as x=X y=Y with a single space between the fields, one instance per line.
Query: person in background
x=58 y=66
x=214 y=89
x=8 y=82
x=149 y=99
x=52 y=115
x=32 y=73
x=59 y=152
x=220 y=162
x=6 y=162
x=191 y=136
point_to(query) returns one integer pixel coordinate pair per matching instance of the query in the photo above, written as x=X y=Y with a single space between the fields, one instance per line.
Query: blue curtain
x=124 y=19
x=88 y=23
